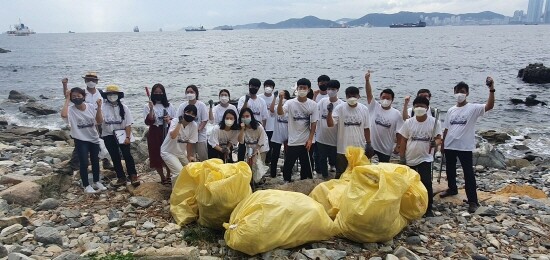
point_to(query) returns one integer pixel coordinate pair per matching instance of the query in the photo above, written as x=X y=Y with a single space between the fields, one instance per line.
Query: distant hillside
x=306 y=22
x=384 y=20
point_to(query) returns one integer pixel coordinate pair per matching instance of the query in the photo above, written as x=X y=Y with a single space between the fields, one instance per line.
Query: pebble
x=413 y=240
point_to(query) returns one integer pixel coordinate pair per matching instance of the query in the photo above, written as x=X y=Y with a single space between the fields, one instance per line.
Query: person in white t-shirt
x=280 y=133
x=215 y=115
x=178 y=144
x=408 y=112
x=325 y=136
x=268 y=97
x=385 y=121
x=192 y=98
x=252 y=136
x=223 y=137
x=302 y=123
x=421 y=135
x=256 y=104
x=322 y=83
x=83 y=118
x=459 y=140
x=117 y=116
x=352 y=120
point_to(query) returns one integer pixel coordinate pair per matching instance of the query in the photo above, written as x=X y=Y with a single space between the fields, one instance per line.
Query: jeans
x=83 y=150
x=466 y=160
x=382 y=157
x=425 y=171
x=268 y=154
x=114 y=149
x=275 y=153
x=325 y=152
x=292 y=154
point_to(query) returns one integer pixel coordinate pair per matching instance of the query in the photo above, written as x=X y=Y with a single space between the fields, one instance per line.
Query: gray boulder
x=48 y=204
x=16 y=96
x=488 y=156
x=25 y=193
x=535 y=73
x=48 y=235
x=37 y=109
x=141 y=202
x=495 y=137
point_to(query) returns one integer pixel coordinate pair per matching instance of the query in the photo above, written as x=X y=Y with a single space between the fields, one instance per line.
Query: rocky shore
x=45 y=215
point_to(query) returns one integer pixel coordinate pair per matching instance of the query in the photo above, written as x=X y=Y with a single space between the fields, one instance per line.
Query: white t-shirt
x=271 y=117
x=418 y=135
x=222 y=138
x=158 y=109
x=92 y=98
x=256 y=138
x=112 y=120
x=83 y=123
x=258 y=107
x=320 y=97
x=300 y=117
x=280 y=134
x=202 y=116
x=384 y=126
x=219 y=110
x=460 y=123
x=178 y=145
x=324 y=134
x=351 y=123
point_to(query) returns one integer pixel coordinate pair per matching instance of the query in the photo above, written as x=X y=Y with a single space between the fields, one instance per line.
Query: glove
x=369 y=151
x=402 y=160
x=211 y=103
x=276 y=93
x=330 y=107
x=247 y=97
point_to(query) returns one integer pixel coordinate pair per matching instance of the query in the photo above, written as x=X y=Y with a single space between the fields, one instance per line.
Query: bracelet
x=492 y=90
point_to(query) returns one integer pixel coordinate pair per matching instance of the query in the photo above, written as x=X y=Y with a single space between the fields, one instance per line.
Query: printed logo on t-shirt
x=81 y=124
x=302 y=117
x=420 y=138
x=282 y=119
x=383 y=122
x=459 y=120
x=353 y=120
x=112 y=121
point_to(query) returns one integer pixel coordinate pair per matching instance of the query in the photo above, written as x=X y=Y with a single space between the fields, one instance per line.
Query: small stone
x=47 y=235
x=142 y=202
x=148 y=225
x=323 y=253
x=485 y=211
x=446 y=226
x=18 y=256
x=68 y=256
x=494 y=242
x=479 y=257
x=421 y=250
x=413 y=240
x=10 y=230
x=389 y=257
x=171 y=227
x=3 y=251
x=129 y=224
x=203 y=252
x=370 y=246
x=406 y=253
x=54 y=249
x=386 y=249
x=70 y=213
x=48 y=204
x=491 y=250
x=516 y=257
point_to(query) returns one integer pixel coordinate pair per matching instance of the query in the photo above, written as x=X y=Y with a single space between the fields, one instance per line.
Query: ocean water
x=402 y=59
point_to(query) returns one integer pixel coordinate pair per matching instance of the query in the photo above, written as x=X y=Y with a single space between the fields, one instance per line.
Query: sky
x=150 y=15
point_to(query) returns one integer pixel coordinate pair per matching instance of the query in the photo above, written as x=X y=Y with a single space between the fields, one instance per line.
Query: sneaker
x=89 y=189
x=98 y=185
x=472 y=207
x=448 y=193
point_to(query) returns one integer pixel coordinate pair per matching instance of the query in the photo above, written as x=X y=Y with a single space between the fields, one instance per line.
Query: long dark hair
x=253 y=122
x=194 y=88
x=236 y=125
x=120 y=95
x=164 y=100
x=225 y=91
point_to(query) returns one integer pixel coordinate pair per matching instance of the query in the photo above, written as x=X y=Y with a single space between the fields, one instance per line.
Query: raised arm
x=405 y=113
x=65 y=109
x=99 y=114
x=491 y=100
x=368 y=87
x=280 y=110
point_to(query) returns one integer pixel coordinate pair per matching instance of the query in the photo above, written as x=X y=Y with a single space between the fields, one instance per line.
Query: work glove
x=330 y=107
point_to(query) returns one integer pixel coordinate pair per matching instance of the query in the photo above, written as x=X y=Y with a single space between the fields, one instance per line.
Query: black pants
x=292 y=154
x=466 y=159
x=85 y=150
x=425 y=171
x=241 y=152
x=114 y=149
x=382 y=157
x=213 y=153
x=325 y=152
x=275 y=152
x=341 y=165
x=268 y=154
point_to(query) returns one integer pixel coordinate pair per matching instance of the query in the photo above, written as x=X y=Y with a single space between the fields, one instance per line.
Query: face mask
x=302 y=93
x=91 y=84
x=224 y=99
x=112 y=98
x=332 y=93
x=188 y=118
x=246 y=120
x=460 y=97
x=253 y=91
x=156 y=98
x=385 y=102
x=229 y=122
x=77 y=101
x=268 y=90
x=323 y=87
x=352 y=101
x=190 y=96
x=420 y=111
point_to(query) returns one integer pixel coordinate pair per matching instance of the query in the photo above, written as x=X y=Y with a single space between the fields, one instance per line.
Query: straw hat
x=91 y=75
x=110 y=89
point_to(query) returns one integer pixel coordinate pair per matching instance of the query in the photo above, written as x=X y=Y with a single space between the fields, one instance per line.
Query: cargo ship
x=409 y=25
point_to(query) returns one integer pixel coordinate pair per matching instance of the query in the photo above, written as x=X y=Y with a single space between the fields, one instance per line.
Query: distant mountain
x=306 y=22
x=384 y=20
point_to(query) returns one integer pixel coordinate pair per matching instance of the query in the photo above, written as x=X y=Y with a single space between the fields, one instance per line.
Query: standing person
x=352 y=120
x=322 y=83
x=385 y=121
x=117 y=116
x=269 y=126
x=302 y=123
x=459 y=140
x=201 y=118
x=409 y=112
x=215 y=114
x=83 y=118
x=223 y=136
x=183 y=133
x=252 y=134
x=280 y=134
x=326 y=137
x=158 y=114
x=257 y=105
x=418 y=143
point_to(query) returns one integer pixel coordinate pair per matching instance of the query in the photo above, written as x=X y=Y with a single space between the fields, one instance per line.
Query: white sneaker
x=89 y=189
x=98 y=185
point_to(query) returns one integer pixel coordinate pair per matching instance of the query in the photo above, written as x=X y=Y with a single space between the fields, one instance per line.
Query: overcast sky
x=150 y=15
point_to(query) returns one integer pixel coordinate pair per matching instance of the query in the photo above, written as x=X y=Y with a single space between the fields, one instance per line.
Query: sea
x=404 y=59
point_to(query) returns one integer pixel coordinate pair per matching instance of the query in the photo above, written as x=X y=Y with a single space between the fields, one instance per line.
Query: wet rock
x=495 y=137
x=37 y=109
x=26 y=193
x=324 y=254
x=3 y=121
x=535 y=73
x=141 y=202
x=48 y=204
x=521 y=147
x=16 y=96
x=48 y=235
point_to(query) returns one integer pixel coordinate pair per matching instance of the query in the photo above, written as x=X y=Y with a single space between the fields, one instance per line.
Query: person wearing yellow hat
x=117 y=116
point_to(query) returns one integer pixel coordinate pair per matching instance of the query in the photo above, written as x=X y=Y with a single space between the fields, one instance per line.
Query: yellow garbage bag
x=328 y=193
x=371 y=205
x=209 y=191
x=270 y=219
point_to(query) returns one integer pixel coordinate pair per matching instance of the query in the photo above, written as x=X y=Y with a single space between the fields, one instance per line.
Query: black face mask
x=253 y=90
x=156 y=97
x=77 y=101
x=323 y=87
x=188 y=118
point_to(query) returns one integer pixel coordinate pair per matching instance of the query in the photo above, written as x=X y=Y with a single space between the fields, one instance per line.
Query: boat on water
x=226 y=28
x=71 y=32
x=409 y=25
x=136 y=29
x=197 y=29
x=19 y=29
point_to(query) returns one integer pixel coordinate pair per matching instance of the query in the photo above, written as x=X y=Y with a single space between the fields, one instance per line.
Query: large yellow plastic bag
x=270 y=219
x=415 y=200
x=329 y=193
x=209 y=191
x=370 y=208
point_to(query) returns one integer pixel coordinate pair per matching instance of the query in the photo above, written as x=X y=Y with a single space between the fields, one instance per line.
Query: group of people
x=314 y=127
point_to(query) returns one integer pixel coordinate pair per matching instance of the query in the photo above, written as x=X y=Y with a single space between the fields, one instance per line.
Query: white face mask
x=420 y=111
x=352 y=101
x=268 y=90
x=224 y=99
x=91 y=84
x=460 y=97
x=385 y=102
x=302 y=93
x=190 y=96
x=332 y=93
x=112 y=98
x=229 y=122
